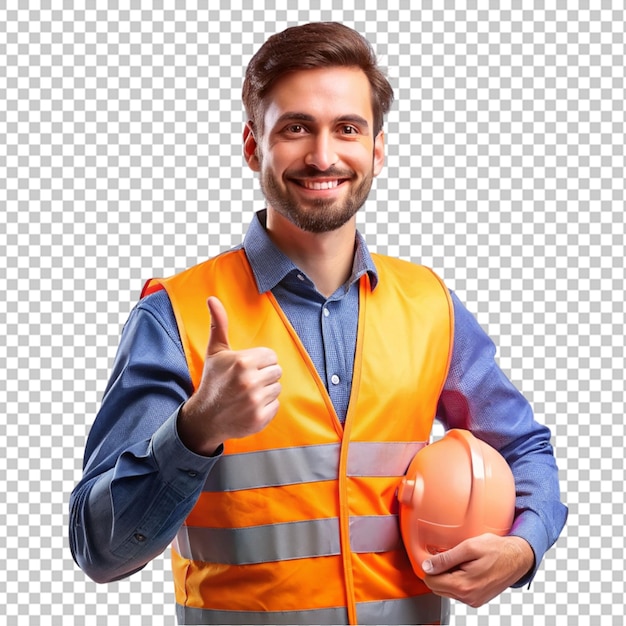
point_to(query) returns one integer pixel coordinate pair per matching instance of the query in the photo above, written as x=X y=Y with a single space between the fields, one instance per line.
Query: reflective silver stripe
x=376 y=533
x=307 y=464
x=381 y=459
x=287 y=541
x=269 y=468
x=426 y=609
x=260 y=544
x=190 y=615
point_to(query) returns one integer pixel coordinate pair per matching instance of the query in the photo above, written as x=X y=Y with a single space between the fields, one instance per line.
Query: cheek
x=362 y=158
x=360 y=150
x=282 y=159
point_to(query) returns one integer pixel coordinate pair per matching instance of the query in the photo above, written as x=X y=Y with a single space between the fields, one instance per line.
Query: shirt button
x=334 y=379
x=192 y=473
x=139 y=537
x=326 y=312
x=300 y=277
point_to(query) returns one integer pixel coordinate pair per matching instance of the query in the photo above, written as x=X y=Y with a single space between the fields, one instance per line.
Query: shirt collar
x=270 y=266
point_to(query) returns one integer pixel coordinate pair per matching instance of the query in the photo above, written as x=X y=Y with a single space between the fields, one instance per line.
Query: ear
x=250 y=147
x=379 y=153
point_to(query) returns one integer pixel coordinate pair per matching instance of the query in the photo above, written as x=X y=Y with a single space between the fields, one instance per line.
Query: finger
x=265 y=413
x=269 y=411
x=263 y=357
x=445 y=586
x=269 y=375
x=444 y=561
x=218 y=339
x=271 y=393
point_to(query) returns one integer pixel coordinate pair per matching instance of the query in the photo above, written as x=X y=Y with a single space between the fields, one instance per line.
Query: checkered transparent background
x=120 y=158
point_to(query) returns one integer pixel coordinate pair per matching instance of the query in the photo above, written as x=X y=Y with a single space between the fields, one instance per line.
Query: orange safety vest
x=298 y=524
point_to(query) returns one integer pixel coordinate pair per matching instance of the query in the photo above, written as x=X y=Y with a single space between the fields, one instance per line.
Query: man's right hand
x=238 y=393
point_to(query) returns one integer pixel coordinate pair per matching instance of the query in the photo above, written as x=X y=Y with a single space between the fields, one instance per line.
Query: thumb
x=443 y=561
x=218 y=339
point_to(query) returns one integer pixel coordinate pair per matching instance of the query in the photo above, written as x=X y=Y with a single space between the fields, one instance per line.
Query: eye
x=349 y=129
x=295 y=129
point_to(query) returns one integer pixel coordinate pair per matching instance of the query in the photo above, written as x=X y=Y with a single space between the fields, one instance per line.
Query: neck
x=326 y=258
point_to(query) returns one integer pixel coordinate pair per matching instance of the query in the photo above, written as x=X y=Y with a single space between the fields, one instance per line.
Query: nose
x=321 y=153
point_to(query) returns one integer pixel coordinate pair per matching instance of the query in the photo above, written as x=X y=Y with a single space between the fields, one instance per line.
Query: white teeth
x=328 y=184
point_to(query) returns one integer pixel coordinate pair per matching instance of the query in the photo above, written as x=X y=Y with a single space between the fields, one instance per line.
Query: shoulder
x=400 y=266
x=233 y=255
x=156 y=304
x=202 y=272
x=153 y=315
x=407 y=276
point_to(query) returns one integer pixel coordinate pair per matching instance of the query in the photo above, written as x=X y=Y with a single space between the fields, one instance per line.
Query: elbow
x=95 y=567
x=87 y=541
x=103 y=576
x=86 y=559
x=96 y=573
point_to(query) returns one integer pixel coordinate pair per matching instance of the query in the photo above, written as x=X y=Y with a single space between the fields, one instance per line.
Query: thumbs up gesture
x=238 y=393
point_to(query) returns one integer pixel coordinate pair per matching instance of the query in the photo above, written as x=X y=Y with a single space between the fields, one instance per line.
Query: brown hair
x=311 y=46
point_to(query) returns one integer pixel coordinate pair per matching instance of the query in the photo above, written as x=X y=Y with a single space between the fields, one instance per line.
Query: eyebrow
x=292 y=116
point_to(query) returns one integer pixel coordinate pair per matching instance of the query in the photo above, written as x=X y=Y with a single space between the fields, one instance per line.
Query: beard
x=318 y=216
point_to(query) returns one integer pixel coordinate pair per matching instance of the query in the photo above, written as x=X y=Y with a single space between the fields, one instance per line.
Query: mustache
x=312 y=172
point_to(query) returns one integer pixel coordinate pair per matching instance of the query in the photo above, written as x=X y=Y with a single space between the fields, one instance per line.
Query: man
x=262 y=403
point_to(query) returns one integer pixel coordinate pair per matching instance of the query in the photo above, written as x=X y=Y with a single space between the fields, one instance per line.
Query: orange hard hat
x=456 y=488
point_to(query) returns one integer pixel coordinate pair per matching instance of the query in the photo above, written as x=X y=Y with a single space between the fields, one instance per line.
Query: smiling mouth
x=319 y=185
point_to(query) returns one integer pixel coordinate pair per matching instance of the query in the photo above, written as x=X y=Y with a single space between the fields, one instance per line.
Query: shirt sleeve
x=478 y=396
x=139 y=481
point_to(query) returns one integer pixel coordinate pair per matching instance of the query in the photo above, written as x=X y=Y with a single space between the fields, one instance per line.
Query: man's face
x=318 y=155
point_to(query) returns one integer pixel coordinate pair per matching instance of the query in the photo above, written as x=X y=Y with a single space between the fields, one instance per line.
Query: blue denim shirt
x=140 y=482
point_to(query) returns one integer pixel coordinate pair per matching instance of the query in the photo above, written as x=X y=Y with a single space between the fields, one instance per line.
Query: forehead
x=323 y=94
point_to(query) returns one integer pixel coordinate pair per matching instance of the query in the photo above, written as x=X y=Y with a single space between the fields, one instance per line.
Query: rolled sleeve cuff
x=180 y=467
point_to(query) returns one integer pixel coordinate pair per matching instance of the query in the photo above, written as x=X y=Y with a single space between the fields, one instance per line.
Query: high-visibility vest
x=298 y=523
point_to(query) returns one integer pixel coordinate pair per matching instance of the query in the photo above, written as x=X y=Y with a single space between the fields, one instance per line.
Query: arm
x=154 y=441
x=477 y=396
x=139 y=480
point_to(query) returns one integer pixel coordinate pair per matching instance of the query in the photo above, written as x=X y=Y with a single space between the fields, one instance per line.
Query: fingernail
x=427 y=566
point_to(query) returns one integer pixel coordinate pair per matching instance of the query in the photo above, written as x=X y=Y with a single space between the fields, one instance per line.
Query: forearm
x=525 y=444
x=125 y=516
x=539 y=513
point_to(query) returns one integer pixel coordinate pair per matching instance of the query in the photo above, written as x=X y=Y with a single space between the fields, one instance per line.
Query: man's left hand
x=479 y=569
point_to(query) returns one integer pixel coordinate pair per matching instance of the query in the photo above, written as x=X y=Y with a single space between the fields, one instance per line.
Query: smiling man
x=317 y=157
x=317 y=161
x=264 y=404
